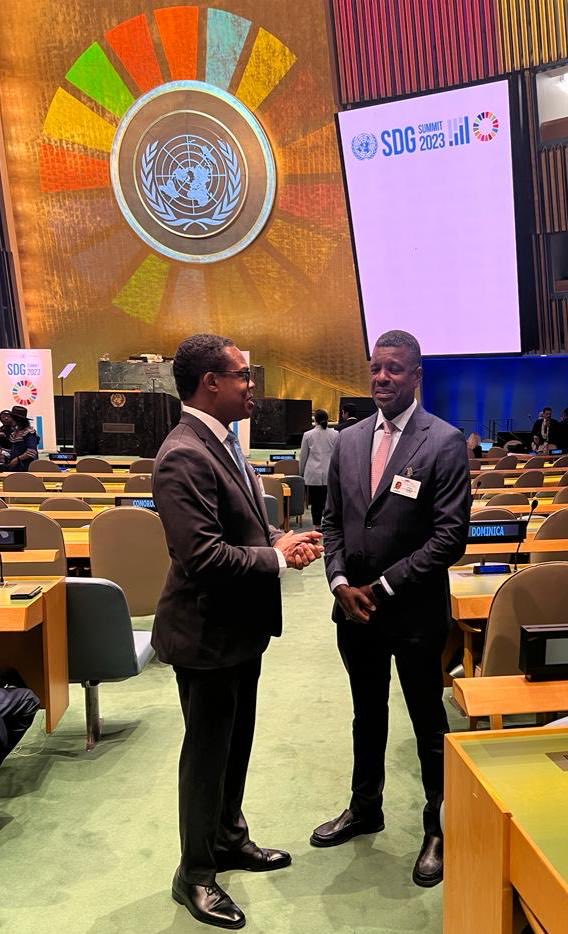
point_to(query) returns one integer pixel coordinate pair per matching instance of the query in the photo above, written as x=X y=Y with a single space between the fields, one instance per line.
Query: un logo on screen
x=364 y=146
x=191 y=183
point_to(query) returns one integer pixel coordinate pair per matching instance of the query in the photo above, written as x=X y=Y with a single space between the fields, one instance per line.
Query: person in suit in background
x=219 y=607
x=18 y=707
x=396 y=518
x=473 y=444
x=315 y=454
x=545 y=431
x=348 y=416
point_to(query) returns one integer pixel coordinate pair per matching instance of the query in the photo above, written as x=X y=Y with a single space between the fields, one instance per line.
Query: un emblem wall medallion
x=193 y=172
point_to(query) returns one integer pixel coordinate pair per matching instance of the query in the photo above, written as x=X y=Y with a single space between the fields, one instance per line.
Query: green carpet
x=88 y=841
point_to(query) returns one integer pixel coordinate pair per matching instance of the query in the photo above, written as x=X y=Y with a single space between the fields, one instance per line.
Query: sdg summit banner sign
x=26 y=378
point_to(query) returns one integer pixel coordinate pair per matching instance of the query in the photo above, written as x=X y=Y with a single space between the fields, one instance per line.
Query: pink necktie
x=381 y=456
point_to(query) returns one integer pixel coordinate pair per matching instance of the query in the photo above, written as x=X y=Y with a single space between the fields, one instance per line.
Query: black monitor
x=13 y=537
x=497 y=530
x=283 y=457
x=143 y=502
x=263 y=468
x=61 y=456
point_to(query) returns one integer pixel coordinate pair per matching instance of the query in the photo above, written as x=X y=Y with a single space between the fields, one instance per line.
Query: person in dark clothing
x=545 y=431
x=18 y=706
x=348 y=416
x=23 y=441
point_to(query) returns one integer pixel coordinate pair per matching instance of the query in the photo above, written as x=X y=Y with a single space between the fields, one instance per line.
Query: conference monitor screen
x=143 y=502
x=497 y=530
x=430 y=189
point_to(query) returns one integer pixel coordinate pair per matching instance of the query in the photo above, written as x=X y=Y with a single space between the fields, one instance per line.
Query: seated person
x=18 y=706
x=545 y=432
x=6 y=425
x=23 y=441
x=474 y=445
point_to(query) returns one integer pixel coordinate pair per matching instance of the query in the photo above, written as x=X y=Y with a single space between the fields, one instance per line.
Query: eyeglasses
x=242 y=374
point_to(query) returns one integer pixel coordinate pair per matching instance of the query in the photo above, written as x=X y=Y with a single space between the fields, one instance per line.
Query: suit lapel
x=410 y=440
x=220 y=452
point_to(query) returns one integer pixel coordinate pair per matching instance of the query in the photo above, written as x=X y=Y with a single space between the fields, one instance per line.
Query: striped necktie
x=381 y=456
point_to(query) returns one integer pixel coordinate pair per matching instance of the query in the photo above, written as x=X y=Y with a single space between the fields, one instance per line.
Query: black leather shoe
x=254 y=858
x=429 y=867
x=343 y=828
x=208 y=903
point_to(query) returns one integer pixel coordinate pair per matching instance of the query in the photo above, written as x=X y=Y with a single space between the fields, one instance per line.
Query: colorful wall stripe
x=226 y=35
x=93 y=74
x=178 y=26
x=132 y=42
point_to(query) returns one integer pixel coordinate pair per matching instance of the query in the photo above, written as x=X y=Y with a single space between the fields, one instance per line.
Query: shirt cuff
x=387 y=586
x=282 y=566
x=340 y=579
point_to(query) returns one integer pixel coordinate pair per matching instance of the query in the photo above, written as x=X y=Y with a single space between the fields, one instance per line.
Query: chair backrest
x=509 y=460
x=99 y=631
x=43 y=465
x=64 y=504
x=563 y=480
x=537 y=461
x=509 y=499
x=492 y=514
x=290 y=468
x=561 y=461
x=561 y=496
x=297 y=501
x=93 y=465
x=142 y=465
x=532 y=478
x=496 y=452
x=475 y=462
x=535 y=596
x=82 y=483
x=3 y=505
x=271 y=504
x=128 y=546
x=22 y=483
x=138 y=483
x=41 y=532
x=488 y=479
x=554 y=526
x=273 y=487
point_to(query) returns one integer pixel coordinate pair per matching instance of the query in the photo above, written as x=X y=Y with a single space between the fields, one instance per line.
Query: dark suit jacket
x=221 y=601
x=348 y=423
x=412 y=542
x=554 y=431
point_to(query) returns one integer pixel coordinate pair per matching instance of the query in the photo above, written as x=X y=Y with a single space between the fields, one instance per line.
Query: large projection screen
x=430 y=188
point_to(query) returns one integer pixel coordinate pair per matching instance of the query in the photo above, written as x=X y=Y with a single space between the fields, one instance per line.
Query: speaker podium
x=122 y=422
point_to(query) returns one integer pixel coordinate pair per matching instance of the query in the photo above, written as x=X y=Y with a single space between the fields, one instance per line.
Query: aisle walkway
x=88 y=842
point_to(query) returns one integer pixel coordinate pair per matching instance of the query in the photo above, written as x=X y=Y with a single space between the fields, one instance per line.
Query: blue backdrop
x=470 y=392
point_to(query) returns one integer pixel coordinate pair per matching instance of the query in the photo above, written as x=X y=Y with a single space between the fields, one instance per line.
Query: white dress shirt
x=399 y=423
x=221 y=433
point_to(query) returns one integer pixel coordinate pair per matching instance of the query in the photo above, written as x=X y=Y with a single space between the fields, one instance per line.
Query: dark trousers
x=366 y=651
x=317 y=496
x=219 y=708
x=17 y=710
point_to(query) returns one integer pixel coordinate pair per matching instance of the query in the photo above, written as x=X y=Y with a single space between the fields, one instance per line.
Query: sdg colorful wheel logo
x=24 y=392
x=485 y=126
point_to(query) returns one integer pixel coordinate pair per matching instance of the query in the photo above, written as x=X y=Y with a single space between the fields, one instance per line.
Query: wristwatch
x=379 y=590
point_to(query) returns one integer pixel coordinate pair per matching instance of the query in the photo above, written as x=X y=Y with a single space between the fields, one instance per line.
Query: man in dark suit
x=546 y=431
x=18 y=707
x=219 y=608
x=348 y=416
x=396 y=518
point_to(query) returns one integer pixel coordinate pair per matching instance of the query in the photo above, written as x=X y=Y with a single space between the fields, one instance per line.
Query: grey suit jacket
x=315 y=454
x=412 y=542
x=221 y=601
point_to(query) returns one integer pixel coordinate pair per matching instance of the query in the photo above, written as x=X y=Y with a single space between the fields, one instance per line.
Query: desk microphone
x=534 y=504
x=476 y=486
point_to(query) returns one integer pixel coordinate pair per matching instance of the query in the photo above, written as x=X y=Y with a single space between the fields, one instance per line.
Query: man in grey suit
x=219 y=608
x=396 y=518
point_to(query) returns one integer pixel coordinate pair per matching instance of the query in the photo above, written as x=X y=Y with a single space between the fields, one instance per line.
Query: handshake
x=300 y=550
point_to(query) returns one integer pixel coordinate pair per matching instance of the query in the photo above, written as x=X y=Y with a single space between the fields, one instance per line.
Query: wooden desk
x=528 y=547
x=33 y=640
x=31 y=555
x=511 y=694
x=506 y=827
x=509 y=488
x=519 y=469
x=107 y=497
x=76 y=543
x=472 y=594
x=543 y=509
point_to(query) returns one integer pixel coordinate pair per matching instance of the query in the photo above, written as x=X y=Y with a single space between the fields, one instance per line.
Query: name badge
x=404 y=486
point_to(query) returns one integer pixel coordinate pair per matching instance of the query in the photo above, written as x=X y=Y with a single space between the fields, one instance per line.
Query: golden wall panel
x=91 y=286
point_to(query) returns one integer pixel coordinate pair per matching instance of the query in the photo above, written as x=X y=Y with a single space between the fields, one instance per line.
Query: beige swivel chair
x=128 y=546
x=82 y=483
x=507 y=462
x=509 y=499
x=534 y=596
x=492 y=514
x=41 y=532
x=554 y=526
x=273 y=487
x=23 y=483
x=66 y=504
x=561 y=496
x=530 y=480
x=488 y=479
x=537 y=461
x=289 y=468
x=561 y=461
x=475 y=462
x=497 y=452
x=138 y=483
x=43 y=465
x=563 y=480
x=93 y=465
x=142 y=465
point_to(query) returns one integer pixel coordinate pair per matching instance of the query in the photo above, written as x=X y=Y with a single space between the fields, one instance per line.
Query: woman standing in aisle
x=317 y=445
